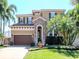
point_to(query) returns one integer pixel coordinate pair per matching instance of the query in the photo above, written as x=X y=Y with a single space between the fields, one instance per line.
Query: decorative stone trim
x=39 y=18
x=42 y=38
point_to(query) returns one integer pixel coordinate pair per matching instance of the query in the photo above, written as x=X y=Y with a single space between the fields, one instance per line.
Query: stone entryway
x=40 y=30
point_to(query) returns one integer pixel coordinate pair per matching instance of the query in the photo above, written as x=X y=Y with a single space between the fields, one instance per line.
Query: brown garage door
x=22 y=39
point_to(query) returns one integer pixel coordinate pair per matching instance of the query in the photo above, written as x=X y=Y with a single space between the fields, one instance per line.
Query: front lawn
x=52 y=54
x=1 y=46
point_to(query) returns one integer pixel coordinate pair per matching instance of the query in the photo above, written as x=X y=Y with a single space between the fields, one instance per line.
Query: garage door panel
x=23 y=39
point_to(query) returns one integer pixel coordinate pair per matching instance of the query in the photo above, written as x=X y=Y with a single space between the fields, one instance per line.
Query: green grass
x=1 y=46
x=52 y=54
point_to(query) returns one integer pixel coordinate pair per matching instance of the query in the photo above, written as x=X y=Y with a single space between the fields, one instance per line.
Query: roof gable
x=39 y=18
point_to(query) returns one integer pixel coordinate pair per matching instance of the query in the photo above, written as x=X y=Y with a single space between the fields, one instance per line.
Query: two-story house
x=31 y=27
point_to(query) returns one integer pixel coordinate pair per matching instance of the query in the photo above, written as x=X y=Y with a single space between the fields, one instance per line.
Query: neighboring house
x=32 y=26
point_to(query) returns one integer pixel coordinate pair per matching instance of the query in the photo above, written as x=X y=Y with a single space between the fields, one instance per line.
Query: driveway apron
x=15 y=52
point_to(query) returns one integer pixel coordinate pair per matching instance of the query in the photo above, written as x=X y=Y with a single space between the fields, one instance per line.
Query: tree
x=6 y=12
x=65 y=27
x=74 y=13
x=7 y=15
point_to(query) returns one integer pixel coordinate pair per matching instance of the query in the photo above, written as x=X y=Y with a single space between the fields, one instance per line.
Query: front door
x=39 y=33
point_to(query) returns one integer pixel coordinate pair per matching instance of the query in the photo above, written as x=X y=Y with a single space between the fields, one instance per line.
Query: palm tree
x=1 y=10
x=7 y=13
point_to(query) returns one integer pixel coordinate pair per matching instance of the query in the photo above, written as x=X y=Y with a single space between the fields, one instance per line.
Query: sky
x=26 y=6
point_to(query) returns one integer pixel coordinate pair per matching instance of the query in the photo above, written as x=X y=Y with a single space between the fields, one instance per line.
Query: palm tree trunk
x=4 y=27
x=1 y=26
x=1 y=30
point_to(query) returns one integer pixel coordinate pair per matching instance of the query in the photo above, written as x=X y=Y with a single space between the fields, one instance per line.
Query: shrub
x=33 y=44
x=11 y=43
x=54 y=40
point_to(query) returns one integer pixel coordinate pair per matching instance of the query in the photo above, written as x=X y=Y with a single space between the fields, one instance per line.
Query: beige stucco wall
x=22 y=32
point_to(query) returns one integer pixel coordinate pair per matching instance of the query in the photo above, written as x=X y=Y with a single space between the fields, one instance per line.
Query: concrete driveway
x=14 y=52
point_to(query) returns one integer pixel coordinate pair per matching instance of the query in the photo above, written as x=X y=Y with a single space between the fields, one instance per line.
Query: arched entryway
x=39 y=34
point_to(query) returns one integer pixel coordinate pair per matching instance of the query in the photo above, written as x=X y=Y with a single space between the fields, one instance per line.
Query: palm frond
x=12 y=8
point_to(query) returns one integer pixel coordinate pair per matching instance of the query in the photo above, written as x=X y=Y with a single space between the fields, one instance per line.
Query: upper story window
x=51 y=14
x=55 y=13
x=29 y=20
x=36 y=13
x=24 y=20
x=20 y=20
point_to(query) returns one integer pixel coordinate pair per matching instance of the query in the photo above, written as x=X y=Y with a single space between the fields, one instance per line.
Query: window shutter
x=24 y=20
x=49 y=16
x=18 y=19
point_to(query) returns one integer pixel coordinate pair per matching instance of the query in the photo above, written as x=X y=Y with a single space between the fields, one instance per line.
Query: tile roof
x=22 y=24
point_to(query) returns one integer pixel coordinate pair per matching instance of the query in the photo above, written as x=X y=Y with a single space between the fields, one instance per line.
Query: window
x=51 y=14
x=29 y=20
x=21 y=20
x=24 y=20
x=37 y=13
x=55 y=13
x=18 y=19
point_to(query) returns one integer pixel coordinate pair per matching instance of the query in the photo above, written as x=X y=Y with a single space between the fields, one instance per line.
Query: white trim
x=40 y=18
x=41 y=33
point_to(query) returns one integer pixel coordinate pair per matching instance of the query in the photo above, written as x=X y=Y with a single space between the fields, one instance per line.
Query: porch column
x=35 y=38
x=12 y=38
